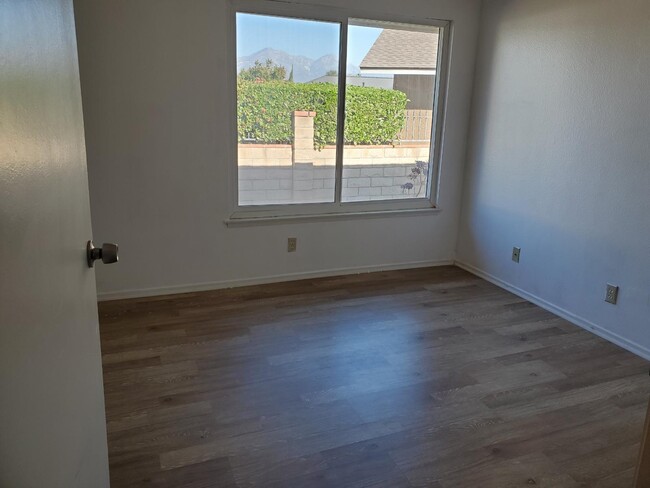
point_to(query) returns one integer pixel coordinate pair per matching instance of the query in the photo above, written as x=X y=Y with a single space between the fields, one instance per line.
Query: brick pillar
x=303 y=155
x=303 y=136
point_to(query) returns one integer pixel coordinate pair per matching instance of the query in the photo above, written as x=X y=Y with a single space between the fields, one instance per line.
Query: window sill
x=292 y=219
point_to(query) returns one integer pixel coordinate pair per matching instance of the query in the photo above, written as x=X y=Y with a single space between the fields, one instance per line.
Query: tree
x=332 y=72
x=291 y=75
x=267 y=71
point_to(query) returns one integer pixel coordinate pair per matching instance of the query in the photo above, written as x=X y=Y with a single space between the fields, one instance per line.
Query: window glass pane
x=287 y=95
x=389 y=102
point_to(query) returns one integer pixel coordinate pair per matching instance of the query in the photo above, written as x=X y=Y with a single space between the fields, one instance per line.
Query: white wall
x=154 y=93
x=559 y=161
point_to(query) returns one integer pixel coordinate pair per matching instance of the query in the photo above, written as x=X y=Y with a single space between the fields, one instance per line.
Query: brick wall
x=298 y=173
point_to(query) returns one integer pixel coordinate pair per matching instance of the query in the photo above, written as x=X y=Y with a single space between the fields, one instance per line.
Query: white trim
x=217 y=285
x=320 y=217
x=600 y=331
x=341 y=15
x=308 y=209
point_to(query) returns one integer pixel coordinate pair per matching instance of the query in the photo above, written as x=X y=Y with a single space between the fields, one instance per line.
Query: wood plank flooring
x=642 y=478
x=421 y=378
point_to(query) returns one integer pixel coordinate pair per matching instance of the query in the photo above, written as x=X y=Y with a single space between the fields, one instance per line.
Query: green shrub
x=267 y=71
x=374 y=115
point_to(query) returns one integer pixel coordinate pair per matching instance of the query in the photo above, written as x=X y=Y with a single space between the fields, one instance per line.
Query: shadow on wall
x=545 y=262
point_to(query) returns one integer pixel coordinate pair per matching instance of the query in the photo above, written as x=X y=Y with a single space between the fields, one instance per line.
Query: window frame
x=247 y=214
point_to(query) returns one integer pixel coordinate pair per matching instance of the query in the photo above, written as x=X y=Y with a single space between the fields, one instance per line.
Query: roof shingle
x=403 y=49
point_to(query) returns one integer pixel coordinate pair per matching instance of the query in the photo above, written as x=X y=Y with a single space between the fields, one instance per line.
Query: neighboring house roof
x=372 y=81
x=398 y=51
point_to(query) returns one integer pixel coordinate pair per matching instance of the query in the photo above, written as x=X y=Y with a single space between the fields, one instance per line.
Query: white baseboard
x=600 y=331
x=217 y=285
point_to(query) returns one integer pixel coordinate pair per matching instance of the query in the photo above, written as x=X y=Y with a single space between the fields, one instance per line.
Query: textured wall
x=559 y=161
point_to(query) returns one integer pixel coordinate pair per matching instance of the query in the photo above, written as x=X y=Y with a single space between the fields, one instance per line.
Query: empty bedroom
x=322 y=243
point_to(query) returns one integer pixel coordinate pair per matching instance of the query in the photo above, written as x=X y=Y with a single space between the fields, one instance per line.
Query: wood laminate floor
x=420 y=378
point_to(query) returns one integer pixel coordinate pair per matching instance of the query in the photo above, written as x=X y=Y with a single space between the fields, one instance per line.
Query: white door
x=52 y=423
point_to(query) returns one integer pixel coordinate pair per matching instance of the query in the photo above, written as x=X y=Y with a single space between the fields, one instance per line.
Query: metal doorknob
x=107 y=253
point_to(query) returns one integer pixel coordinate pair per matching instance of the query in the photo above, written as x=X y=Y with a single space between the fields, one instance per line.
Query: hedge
x=374 y=115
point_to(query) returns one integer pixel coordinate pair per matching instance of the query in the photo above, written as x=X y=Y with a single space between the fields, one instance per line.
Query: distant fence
x=417 y=127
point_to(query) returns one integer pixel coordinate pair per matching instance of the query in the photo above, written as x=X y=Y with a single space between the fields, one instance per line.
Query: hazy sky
x=312 y=39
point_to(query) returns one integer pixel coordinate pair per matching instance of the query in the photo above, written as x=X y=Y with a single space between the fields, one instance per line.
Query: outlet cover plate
x=292 y=244
x=612 y=294
x=516 y=252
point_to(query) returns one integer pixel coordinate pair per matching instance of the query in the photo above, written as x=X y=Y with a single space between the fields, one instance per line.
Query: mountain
x=304 y=68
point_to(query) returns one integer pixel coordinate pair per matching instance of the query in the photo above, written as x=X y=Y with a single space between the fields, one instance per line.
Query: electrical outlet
x=292 y=244
x=612 y=294
x=516 y=251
